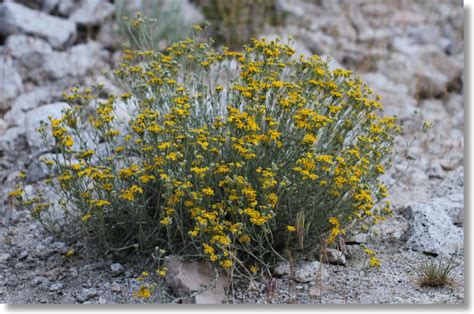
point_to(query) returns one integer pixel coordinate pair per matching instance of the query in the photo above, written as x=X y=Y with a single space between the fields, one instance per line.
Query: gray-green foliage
x=167 y=25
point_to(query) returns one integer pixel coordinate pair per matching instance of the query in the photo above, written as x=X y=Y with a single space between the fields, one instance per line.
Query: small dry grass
x=436 y=274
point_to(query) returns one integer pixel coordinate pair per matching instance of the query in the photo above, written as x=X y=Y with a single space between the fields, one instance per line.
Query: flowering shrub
x=235 y=157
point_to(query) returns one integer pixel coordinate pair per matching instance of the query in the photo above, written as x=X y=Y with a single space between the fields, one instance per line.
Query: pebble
x=56 y=286
x=117 y=269
x=116 y=288
x=86 y=294
x=4 y=257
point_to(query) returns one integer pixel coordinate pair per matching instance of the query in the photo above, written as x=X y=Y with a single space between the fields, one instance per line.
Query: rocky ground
x=411 y=52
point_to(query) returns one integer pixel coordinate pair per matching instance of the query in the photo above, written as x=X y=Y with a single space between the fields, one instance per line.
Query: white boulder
x=18 y=18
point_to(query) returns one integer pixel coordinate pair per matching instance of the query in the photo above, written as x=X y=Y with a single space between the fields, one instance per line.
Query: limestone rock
x=453 y=204
x=392 y=230
x=10 y=82
x=309 y=271
x=282 y=269
x=117 y=269
x=357 y=238
x=92 y=12
x=57 y=286
x=21 y=46
x=13 y=142
x=76 y=62
x=86 y=294
x=452 y=184
x=30 y=100
x=18 y=18
x=30 y=54
x=33 y=122
x=333 y=256
x=186 y=279
x=432 y=229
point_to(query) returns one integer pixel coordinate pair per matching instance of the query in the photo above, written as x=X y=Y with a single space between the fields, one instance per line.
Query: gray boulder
x=30 y=100
x=452 y=184
x=431 y=228
x=432 y=72
x=29 y=53
x=333 y=256
x=282 y=269
x=117 y=269
x=453 y=204
x=57 y=286
x=86 y=294
x=76 y=62
x=309 y=271
x=10 y=82
x=393 y=230
x=33 y=122
x=12 y=142
x=18 y=18
x=3 y=125
x=49 y=5
x=196 y=282
x=92 y=12
x=21 y=46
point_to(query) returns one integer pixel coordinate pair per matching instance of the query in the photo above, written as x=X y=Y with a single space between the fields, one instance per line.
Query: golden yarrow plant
x=234 y=157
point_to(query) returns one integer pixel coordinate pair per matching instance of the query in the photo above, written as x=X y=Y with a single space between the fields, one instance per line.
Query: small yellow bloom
x=227 y=263
x=162 y=271
x=208 y=191
x=165 y=221
x=143 y=293
x=16 y=193
x=253 y=269
x=290 y=228
x=374 y=262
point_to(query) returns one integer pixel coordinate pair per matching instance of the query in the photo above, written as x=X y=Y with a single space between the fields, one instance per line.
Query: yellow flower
x=165 y=221
x=208 y=191
x=227 y=263
x=86 y=217
x=87 y=154
x=172 y=156
x=244 y=239
x=143 y=293
x=201 y=172
x=278 y=84
x=272 y=199
x=162 y=271
x=16 y=193
x=147 y=178
x=290 y=228
x=309 y=139
x=129 y=194
x=374 y=262
x=369 y=251
x=68 y=142
x=208 y=249
x=99 y=203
